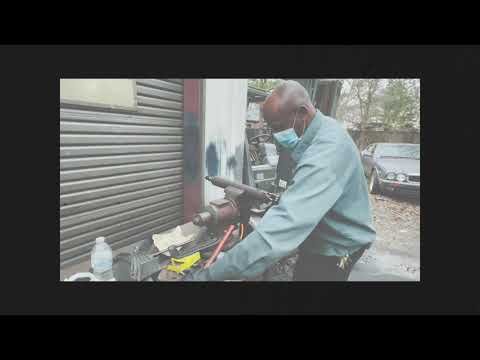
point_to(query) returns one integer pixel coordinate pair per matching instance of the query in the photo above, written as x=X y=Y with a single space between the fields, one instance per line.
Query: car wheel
x=373 y=186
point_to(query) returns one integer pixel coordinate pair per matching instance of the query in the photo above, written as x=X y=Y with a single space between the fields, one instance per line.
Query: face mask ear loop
x=295 y=120
x=304 y=123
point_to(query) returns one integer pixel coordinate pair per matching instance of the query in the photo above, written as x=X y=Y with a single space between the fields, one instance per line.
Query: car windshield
x=398 y=151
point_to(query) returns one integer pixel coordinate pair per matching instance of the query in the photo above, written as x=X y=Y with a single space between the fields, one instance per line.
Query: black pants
x=311 y=267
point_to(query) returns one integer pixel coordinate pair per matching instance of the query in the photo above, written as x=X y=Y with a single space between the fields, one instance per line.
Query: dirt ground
x=396 y=251
x=394 y=256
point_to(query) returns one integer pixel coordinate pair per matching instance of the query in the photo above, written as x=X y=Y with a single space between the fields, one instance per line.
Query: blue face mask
x=288 y=138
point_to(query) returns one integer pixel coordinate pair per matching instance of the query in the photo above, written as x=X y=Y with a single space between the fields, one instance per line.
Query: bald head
x=288 y=99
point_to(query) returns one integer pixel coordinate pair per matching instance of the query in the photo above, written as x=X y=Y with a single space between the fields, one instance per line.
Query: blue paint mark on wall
x=212 y=161
x=232 y=162
x=216 y=154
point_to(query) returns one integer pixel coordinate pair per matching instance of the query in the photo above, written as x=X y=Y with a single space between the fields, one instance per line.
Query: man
x=325 y=211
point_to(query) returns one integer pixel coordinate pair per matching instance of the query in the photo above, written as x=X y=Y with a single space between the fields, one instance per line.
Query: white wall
x=225 y=117
x=111 y=92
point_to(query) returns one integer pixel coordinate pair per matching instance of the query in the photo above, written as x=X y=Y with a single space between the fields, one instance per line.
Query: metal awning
x=323 y=92
x=257 y=94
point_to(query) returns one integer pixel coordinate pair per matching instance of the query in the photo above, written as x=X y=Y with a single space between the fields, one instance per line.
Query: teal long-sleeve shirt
x=325 y=209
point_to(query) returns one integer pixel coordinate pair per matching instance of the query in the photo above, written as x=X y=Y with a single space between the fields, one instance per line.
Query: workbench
x=84 y=266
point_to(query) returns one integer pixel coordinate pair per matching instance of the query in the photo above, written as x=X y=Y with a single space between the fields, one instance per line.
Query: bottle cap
x=100 y=240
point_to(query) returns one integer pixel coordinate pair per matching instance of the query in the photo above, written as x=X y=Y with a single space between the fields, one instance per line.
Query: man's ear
x=302 y=110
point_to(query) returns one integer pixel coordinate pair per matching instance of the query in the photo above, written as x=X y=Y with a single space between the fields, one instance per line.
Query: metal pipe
x=220 y=246
x=249 y=190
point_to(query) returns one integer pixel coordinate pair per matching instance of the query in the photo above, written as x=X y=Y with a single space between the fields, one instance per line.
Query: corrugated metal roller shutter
x=121 y=173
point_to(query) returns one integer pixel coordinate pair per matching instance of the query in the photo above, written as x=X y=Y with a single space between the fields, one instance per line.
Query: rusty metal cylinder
x=219 y=211
x=202 y=219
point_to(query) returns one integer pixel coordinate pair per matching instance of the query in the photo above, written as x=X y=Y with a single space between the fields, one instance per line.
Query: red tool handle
x=220 y=246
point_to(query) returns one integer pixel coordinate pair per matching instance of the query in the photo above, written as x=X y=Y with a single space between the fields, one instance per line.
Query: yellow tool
x=179 y=265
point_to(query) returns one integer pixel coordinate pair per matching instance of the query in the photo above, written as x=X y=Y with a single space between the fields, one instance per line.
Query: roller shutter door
x=121 y=172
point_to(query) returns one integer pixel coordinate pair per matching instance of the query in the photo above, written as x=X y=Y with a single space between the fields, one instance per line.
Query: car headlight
x=391 y=176
x=401 y=177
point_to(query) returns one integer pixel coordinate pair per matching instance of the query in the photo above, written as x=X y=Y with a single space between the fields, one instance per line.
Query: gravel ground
x=397 y=248
x=396 y=251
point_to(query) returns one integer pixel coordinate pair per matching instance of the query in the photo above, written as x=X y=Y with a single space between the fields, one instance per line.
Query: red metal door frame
x=192 y=150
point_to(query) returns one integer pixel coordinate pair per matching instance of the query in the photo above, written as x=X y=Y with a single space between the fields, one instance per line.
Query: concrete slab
x=371 y=272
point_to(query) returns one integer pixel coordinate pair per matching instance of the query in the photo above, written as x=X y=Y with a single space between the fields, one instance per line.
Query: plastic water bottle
x=102 y=260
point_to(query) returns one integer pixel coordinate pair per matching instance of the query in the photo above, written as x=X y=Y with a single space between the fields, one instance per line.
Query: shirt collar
x=308 y=136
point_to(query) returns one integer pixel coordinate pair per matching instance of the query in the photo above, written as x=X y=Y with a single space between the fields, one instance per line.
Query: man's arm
x=313 y=192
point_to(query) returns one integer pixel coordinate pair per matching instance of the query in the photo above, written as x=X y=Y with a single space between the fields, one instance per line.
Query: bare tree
x=366 y=92
x=392 y=103
x=348 y=110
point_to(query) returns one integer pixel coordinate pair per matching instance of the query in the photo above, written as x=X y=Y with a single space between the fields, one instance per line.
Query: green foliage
x=264 y=84
x=400 y=104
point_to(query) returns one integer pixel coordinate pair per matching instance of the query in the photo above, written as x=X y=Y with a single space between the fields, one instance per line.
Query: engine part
x=218 y=212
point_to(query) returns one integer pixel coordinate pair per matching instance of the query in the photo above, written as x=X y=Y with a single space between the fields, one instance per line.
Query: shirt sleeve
x=312 y=193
